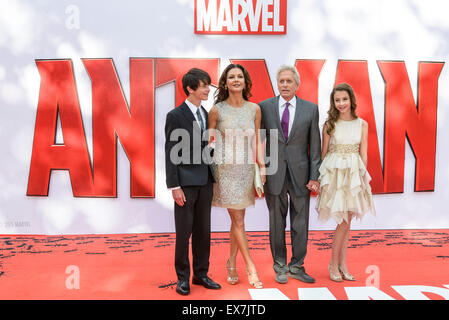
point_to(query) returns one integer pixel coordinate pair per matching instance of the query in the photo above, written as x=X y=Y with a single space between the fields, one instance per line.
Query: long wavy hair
x=222 y=93
x=333 y=113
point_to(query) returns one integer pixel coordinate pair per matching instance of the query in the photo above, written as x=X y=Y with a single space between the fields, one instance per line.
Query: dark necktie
x=200 y=119
x=285 y=120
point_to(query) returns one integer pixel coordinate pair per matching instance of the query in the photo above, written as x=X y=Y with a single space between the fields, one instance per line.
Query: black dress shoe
x=206 y=282
x=301 y=275
x=183 y=287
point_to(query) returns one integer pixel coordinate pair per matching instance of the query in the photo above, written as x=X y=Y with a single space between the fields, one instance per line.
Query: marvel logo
x=240 y=16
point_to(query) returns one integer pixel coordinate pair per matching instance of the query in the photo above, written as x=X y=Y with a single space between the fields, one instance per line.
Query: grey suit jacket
x=300 y=154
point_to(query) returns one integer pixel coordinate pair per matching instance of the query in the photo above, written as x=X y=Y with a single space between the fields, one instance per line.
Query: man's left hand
x=314 y=186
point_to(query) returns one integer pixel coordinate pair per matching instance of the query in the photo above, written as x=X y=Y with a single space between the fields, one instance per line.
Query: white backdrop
x=411 y=31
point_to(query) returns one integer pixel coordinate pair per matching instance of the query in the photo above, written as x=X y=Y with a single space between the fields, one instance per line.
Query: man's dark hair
x=192 y=79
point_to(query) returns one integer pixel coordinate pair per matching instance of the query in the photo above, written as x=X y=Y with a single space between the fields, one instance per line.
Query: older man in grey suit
x=298 y=159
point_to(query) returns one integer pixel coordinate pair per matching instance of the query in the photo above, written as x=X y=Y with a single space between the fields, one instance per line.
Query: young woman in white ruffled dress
x=345 y=191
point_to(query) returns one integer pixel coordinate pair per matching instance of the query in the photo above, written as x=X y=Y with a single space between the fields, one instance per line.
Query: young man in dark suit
x=190 y=177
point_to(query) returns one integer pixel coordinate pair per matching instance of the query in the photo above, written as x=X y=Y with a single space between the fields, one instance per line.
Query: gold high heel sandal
x=346 y=275
x=333 y=276
x=256 y=284
x=231 y=280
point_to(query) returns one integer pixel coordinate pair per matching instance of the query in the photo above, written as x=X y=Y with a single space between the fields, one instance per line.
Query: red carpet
x=140 y=266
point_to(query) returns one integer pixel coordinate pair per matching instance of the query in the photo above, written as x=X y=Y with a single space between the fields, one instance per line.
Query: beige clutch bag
x=258 y=181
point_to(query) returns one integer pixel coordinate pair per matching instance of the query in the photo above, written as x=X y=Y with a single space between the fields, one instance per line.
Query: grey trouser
x=299 y=227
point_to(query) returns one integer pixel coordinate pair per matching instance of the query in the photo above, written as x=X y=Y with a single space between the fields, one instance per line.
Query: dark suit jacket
x=300 y=154
x=184 y=161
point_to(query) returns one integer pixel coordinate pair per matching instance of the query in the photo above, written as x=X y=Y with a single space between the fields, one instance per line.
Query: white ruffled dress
x=344 y=180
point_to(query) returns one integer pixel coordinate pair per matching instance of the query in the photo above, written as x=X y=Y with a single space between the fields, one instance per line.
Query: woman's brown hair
x=222 y=93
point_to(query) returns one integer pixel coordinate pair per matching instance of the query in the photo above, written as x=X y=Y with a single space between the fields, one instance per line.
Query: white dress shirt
x=291 y=108
x=194 y=108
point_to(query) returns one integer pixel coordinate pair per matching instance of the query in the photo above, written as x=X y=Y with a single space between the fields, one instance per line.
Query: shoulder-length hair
x=222 y=93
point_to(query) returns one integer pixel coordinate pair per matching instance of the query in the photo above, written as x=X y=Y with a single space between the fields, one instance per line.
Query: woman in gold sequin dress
x=234 y=122
x=345 y=191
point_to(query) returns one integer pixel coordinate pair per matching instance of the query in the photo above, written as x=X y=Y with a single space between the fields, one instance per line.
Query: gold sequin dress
x=233 y=156
x=344 y=180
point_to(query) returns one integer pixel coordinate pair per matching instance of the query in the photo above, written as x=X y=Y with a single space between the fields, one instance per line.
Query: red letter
x=134 y=127
x=404 y=118
x=309 y=72
x=168 y=70
x=58 y=93
x=355 y=73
